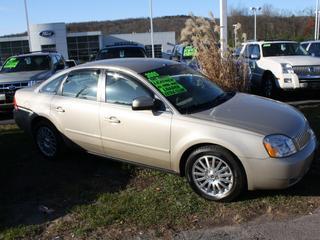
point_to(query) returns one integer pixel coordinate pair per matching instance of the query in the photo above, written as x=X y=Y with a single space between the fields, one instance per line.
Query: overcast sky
x=12 y=17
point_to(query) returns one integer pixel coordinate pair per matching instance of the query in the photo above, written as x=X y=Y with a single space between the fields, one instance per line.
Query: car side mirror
x=254 y=56
x=59 y=67
x=70 y=63
x=92 y=57
x=143 y=103
x=175 y=58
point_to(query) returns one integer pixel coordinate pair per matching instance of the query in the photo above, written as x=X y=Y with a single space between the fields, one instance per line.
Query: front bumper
x=281 y=173
x=289 y=82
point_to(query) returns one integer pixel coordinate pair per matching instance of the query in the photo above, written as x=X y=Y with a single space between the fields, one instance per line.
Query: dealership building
x=79 y=46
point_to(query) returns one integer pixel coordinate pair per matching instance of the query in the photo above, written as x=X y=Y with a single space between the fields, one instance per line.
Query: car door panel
x=78 y=118
x=139 y=136
x=79 y=121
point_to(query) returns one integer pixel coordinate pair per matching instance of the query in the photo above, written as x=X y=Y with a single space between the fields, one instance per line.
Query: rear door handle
x=113 y=120
x=60 y=109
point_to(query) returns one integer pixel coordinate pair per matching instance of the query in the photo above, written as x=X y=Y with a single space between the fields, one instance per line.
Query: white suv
x=278 y=65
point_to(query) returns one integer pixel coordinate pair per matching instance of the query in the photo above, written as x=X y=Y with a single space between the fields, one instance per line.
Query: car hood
x=256 y=114
x=24 y=76
x=296 y=60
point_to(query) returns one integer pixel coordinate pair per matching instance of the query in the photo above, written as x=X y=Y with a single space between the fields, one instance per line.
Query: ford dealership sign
x=46 y=33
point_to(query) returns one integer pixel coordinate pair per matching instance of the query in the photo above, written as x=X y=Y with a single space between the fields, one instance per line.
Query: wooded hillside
x=271 y=25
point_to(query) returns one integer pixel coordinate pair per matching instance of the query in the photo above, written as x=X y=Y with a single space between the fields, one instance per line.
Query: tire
x=268 y=86
x=222 y=182
x=48 y=140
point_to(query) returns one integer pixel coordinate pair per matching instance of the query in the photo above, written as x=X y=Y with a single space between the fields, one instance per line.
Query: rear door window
x=81 y=84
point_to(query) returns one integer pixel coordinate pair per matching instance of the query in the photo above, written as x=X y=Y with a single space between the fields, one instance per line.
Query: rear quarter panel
x=30 y=100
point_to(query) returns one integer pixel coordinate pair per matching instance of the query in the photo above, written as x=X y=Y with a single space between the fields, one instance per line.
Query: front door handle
x=60 y=109
x=113 y=120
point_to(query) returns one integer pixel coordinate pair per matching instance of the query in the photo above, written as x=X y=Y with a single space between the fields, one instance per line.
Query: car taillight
x=15 y=103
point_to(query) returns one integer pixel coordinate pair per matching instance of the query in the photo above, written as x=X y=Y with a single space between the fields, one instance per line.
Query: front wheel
x=269 y=86
x=215 y=174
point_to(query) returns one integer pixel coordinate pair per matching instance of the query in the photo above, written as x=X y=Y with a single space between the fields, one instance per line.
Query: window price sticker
x=167 y=85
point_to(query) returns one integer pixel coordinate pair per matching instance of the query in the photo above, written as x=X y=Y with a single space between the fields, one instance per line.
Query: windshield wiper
x=217 y=101
x=223 y=97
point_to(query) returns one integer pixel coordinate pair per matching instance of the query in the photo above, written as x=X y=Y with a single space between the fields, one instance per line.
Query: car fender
x=184 y=138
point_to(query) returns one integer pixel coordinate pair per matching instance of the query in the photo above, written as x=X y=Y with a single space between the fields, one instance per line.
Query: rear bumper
x=280 y=173
x=23 y=119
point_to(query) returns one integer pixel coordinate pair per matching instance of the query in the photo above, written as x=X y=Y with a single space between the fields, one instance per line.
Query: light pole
x=316 y=22
x=223 y=26
x=236 y=27
x=255 y=10
x=318 y=25
x=28 y=26
x=151 y=29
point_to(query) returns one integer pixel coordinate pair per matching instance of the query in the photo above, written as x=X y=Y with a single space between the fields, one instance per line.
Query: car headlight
x=279 y=146
x=287 y=68
x=311 y=133
x=34 y=82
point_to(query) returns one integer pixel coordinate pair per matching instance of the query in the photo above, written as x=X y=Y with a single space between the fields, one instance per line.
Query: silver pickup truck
x=24 y=71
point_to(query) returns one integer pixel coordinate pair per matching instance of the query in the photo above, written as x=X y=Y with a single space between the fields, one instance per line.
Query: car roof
x=123 y=46
x=36 y=54
x=138 y=65
x=311 y=41
x=275 y=41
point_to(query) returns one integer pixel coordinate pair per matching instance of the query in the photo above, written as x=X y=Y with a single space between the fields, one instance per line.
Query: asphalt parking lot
x=6 y=118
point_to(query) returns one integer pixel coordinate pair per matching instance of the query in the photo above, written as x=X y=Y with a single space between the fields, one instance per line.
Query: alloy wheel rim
x=46 y=141
x=213 y=176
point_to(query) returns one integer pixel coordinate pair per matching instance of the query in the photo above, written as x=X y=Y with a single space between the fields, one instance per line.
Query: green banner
x=189 y=51
x=11 y=63
x=167 y=85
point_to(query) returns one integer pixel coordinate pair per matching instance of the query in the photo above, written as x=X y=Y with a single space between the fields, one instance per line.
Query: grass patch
x=20 y=232
x=93 y=197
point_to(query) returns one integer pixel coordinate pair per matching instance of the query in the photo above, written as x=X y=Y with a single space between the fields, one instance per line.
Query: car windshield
x=314 y=49
x=130 y=52
x=283 y=49
x=28 y=63
x=187 y=90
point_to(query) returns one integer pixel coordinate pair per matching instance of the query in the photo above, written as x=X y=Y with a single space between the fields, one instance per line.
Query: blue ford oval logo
x=311 y=69
x=46 y=33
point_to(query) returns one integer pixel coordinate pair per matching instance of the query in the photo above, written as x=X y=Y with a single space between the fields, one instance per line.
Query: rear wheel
x=215 y=174
x=48 y=140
